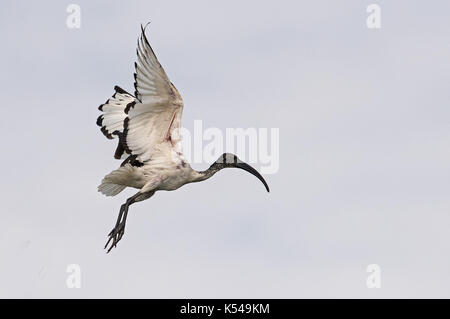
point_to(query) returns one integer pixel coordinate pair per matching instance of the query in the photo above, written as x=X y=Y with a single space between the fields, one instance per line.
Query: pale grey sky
x=364 y=150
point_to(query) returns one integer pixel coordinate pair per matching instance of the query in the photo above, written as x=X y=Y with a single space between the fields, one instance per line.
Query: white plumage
x=113 y=112
x=148 y=128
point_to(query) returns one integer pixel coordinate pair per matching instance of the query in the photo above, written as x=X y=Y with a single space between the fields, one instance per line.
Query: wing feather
x=158 y=109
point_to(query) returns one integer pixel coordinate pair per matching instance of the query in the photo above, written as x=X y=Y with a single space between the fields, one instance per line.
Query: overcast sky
x=364 y=152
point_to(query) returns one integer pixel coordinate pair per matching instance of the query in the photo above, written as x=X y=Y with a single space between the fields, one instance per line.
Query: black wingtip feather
x=119 y=151
x=133 y=161
x=118 y=89
x=145 y=40
x=129 y=106
x=105 y=132
x=100 y=120
x=123 y=136
x=143 y=28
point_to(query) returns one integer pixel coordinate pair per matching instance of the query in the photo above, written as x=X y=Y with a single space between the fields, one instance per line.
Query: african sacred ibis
x=147 y=126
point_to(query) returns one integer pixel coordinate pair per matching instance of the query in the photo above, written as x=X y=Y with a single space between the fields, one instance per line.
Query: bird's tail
x=110 y=189
x=116 y=181
x=109 y=185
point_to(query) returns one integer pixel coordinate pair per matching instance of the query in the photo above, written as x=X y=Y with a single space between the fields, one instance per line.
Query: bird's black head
x=230 y=160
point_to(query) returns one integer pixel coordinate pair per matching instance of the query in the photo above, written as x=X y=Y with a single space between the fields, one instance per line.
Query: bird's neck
x=204 y=175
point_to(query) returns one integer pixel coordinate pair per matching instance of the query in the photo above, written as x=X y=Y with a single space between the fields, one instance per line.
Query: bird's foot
x=115 y=236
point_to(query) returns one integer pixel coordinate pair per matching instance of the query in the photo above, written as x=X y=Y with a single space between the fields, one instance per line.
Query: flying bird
x=147 y=126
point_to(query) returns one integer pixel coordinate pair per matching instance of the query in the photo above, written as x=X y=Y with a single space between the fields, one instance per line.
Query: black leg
x=118 y=231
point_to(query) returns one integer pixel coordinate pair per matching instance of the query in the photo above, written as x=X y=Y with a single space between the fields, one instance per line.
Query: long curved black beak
x=252 y=171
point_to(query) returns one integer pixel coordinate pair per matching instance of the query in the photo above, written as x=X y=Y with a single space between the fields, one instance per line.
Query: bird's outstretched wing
x=114 y=114
x=156 y=116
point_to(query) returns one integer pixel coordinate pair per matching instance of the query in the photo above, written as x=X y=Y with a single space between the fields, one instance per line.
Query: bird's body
x=170 y=171
x=147 y=125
